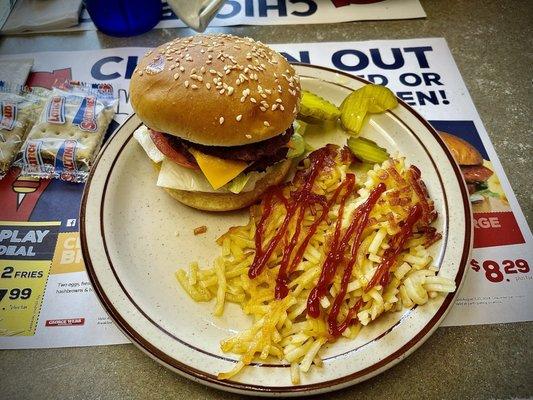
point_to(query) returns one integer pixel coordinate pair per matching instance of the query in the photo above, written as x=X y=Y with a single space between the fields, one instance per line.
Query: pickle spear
x=315 y=109
x=367 y=150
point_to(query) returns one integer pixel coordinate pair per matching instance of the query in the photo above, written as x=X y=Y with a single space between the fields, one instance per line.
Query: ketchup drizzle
x=428 y=212
x=282 y=280
x=303 y=198
x=336 y=254
x=334 y=257
x=381 y=275
x=300 y=198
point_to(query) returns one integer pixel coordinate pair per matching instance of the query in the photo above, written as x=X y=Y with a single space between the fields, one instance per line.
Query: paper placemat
x=62 y=309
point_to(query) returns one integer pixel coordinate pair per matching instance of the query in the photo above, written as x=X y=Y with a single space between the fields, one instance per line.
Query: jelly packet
x=69 y=132
x=19 y=108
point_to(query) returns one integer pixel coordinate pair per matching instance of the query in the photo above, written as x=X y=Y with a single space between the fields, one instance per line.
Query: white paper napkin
x=15 y=72
x=39 y=15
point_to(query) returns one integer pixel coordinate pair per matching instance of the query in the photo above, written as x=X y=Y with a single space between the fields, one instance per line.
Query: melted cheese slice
x=217 y=170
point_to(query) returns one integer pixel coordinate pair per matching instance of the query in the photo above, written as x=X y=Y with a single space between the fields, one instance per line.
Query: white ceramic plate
x=134 y=237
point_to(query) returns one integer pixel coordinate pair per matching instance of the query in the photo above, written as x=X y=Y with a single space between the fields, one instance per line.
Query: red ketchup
x=381 y=276
x=336 y=254
x=301 y=198
x=428 y=213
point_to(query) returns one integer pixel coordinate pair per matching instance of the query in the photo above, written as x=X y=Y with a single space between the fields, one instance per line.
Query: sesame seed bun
x=216 y=90
x=229 y=201
x=463 y=152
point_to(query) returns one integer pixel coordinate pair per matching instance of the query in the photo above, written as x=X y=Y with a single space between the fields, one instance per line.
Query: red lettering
x=55 y=110
x=68 y=155
x=88 y=122
x=9 y=112
x=31 y=153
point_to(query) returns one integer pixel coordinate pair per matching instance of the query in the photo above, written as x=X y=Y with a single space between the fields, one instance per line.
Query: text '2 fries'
x=321 y=257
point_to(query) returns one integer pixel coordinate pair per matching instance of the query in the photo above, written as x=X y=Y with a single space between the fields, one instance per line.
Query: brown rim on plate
x=199 y=375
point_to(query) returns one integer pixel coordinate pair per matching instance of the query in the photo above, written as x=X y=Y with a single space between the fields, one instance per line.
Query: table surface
x=487 y=39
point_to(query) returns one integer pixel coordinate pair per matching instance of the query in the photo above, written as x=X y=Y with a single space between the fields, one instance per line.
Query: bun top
x=463 y=152
x=217 y=90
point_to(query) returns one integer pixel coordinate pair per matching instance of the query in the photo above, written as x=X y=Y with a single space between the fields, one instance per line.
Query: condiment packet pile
x=68 y=133
x=18 y=112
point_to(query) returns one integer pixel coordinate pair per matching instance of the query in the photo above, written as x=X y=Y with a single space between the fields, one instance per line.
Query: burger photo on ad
x=484 y=187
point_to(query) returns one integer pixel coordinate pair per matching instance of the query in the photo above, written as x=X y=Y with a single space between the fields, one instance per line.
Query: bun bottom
x=490 y=204
x=230 y=201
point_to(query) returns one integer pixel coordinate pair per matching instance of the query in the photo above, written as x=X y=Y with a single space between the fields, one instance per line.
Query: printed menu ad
x=276 y=12
x=46 y=299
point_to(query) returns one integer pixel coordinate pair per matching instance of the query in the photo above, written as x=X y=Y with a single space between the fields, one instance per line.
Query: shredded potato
x=281 y=328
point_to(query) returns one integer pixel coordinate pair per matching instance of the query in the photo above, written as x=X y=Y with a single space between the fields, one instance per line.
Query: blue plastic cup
x=124 y=17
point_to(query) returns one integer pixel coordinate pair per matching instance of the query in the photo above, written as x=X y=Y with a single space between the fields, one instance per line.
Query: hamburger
x=217 y=113
x=483 y=185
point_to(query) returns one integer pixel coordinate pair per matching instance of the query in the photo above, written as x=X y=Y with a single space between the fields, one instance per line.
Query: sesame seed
x=221 y=91
x=274 y=106
x=194 y=86
x=264 y=96
x=202 y=70
x=221 y=120
x=253 y=100
x=140 y=73
x=176 y=76
x=265 y=123
x=230 y=90
x=248 y=136
x=242 y=99
x=186 y=83
x=193 y=71
x=208 y=85
x=281 y=107
x=262 y=109
x=238 y=117
x=199 y=78
x=182 y=69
